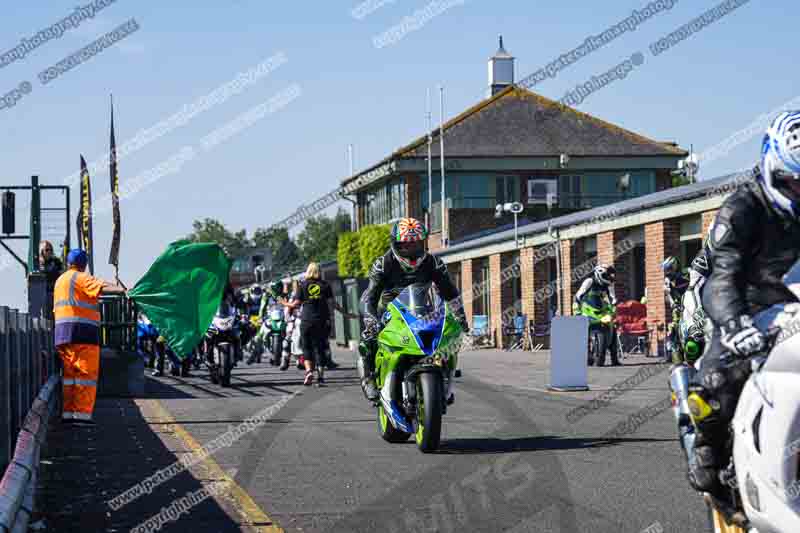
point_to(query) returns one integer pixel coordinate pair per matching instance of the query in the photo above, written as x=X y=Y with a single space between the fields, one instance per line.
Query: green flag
x=181 y=292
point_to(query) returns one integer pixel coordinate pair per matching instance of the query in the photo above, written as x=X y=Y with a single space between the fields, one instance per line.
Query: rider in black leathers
x=754 y=241
x=405 y=263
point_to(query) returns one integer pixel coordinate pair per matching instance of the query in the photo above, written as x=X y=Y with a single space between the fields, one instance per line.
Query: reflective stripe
x=77 y=415
x=77 y=320
x=85 y=382
x=72 y=301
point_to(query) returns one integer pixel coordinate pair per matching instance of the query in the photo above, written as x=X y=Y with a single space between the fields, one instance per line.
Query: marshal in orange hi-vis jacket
x=77 y=335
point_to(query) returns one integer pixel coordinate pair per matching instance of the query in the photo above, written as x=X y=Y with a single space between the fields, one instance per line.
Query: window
x=506 y=189
x=569 y=192
x=385 y=202
x=542 y=191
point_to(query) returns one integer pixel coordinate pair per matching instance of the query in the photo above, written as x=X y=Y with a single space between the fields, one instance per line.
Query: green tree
x=285 y=254
x=212 y=230
x=320 y=237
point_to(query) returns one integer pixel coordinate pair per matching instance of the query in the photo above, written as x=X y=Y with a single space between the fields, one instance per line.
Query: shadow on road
x=529 y=444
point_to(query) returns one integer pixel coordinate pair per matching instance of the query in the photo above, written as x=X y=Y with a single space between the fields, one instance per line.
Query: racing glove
x=742 y=338
x=371 y=328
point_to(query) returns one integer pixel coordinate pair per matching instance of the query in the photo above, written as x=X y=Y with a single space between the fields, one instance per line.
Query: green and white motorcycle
x=417 y=354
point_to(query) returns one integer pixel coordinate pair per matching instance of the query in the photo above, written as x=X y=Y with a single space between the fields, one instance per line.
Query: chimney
x=501 y=70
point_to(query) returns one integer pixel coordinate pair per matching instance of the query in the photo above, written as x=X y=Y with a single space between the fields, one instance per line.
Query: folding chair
x=480 y=330
x=517 y=330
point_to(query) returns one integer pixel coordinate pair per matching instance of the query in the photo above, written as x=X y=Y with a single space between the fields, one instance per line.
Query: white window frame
x=552 y=191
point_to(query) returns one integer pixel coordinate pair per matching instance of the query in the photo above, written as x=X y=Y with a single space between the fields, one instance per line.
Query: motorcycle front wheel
x=430 y=405
x=226 y=365
x=600 y=346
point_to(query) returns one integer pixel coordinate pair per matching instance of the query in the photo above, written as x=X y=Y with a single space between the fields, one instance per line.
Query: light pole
x=512 y=207
x=556 y=237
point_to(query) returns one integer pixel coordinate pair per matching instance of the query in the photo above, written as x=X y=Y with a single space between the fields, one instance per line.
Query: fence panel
x=6 y=436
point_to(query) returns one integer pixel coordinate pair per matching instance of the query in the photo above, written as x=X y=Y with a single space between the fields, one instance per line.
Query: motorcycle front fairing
x=766 y=428
x=419 y=333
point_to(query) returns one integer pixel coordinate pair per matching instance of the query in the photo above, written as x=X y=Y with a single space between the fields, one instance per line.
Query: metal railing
x=29 y=381
x=27 y=360
x=117 y=322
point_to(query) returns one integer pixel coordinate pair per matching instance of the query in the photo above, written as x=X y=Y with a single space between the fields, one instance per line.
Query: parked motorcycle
x=222 y=344
x=763 y=478
x=602 y=333
x=417 y=354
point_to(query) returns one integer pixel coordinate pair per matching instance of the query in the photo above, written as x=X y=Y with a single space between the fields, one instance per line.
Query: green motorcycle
x=417 y=354
x=602 y=333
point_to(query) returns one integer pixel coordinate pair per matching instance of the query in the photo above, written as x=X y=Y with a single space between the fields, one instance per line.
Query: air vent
x=757 y=430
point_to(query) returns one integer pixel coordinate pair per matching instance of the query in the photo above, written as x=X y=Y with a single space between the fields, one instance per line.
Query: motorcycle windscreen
x=424 y=312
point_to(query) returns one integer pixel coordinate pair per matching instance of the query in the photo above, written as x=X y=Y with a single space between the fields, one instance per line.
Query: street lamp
x=511 y=207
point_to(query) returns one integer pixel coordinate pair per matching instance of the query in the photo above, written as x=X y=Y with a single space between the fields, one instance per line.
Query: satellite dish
x=516 y=208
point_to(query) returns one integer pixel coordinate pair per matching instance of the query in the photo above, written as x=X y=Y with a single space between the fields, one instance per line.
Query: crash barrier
x=27 y=360
x=18 y=486
x=117 y=322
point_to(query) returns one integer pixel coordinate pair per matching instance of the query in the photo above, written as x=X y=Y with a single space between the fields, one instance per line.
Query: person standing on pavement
x=316 y=298
x=77 y=335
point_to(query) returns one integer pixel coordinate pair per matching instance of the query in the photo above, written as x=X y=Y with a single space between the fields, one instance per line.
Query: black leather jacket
x=752 y=247
x=387 y=279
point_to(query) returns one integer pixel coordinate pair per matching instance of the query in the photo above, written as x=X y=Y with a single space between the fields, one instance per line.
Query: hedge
x=373 y=242
x=348 y=255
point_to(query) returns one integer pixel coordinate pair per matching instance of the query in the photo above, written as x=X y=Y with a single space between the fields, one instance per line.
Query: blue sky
x=699 y=92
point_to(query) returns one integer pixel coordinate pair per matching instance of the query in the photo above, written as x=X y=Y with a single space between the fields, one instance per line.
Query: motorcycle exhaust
x=679 y=380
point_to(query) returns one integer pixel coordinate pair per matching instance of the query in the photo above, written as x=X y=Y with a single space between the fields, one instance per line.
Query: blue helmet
x=780 y=164
x=78 y=258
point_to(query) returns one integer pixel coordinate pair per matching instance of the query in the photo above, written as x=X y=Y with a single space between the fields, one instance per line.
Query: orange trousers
x=81 y=371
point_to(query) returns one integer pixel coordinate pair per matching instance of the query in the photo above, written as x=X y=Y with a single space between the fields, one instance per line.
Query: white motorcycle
x=765 y=490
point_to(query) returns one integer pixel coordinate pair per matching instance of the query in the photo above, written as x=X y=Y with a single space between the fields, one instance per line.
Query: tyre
x=226 y=365
x=717 y=524
x=430 y=402
x=387 y=431
x=600 y=347
x=277 y=348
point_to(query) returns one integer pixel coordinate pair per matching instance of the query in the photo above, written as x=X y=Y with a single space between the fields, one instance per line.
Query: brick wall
x=413 y=207
x=580 y=267
x=527 y=279
x=566 y=276
x=612 y=251
x=708 y=219
x=661 y=239
x=543 y=289
x=496 y=297
x=434 y=241
x=466 y=284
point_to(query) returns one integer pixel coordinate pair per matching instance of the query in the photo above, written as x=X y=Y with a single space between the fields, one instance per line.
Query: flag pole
x=429 y=214
x=441 y=142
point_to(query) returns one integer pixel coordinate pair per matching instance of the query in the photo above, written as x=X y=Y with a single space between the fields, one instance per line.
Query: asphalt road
x=511 y=460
